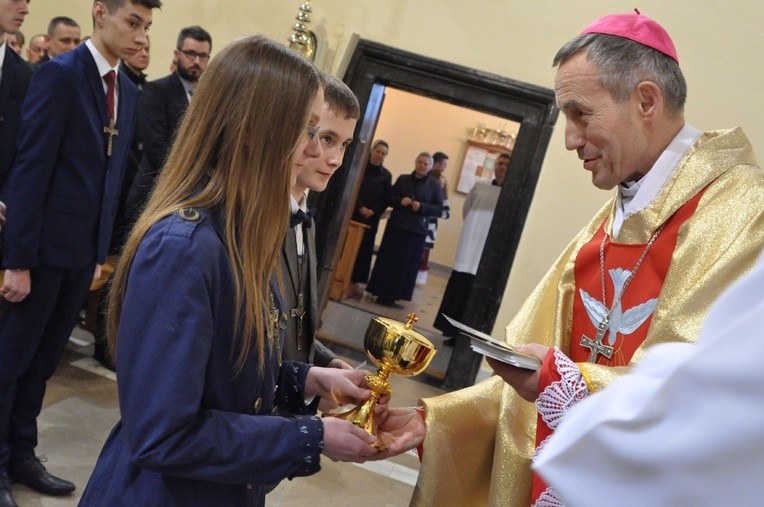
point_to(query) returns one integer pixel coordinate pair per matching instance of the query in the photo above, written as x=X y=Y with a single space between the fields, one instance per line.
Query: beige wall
x=720 y=45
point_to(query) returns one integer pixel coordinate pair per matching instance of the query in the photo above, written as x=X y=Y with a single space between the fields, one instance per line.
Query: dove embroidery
x=619 y=321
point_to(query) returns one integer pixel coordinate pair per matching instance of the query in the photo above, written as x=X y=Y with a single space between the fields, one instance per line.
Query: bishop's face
x=608 y=136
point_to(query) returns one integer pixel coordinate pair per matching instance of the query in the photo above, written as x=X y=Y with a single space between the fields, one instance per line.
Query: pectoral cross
x=299 y=312
x=111 y=132
x=596 y=345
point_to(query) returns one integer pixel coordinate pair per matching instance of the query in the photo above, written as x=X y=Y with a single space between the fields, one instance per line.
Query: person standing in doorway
x=369 y=206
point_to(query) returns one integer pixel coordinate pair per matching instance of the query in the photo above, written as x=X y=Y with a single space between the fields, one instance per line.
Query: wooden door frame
x=375 y=65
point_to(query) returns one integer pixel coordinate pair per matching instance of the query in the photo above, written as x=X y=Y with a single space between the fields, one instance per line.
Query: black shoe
x=390 y=303
x=31 y=473
x=6 y=498
x=450 y=342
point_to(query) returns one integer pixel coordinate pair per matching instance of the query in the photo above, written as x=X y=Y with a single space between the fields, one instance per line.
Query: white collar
x=100 y=60
x=635 y=196
x=2 y=53
x=294 y=205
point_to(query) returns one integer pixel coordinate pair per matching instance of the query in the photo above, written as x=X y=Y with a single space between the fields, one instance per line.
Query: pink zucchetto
x=636 y=27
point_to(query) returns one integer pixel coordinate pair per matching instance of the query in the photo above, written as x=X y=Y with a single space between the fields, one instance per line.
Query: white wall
x=720 y=45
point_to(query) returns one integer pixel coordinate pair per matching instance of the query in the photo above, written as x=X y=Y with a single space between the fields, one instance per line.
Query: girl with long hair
x=210 y=415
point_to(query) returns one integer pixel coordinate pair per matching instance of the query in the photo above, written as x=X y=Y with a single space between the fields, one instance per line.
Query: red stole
x=645 y=285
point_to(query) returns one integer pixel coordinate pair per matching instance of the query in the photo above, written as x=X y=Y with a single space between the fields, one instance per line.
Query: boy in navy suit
x=14 y=81
x=300 y=277
x=76 y=127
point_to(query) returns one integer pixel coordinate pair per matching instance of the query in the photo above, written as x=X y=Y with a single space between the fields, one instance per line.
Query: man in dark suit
x=298 y=260
x=63 y=36
x=133 y=66
x=76 y=128
x=161 y=108
x=36 y=49
x=14 y=81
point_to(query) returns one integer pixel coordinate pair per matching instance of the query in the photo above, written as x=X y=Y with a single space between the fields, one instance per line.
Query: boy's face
x=336 y=134
x=12 y=14
x=123 y=32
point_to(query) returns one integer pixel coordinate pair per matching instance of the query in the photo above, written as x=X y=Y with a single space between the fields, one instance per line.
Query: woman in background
x=415 y=198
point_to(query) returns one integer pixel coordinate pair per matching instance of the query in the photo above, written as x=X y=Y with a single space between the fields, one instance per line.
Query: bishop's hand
x=401 y=429
x=525 y=382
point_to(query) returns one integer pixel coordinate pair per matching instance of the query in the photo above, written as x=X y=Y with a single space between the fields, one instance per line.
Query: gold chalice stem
x=363 y=415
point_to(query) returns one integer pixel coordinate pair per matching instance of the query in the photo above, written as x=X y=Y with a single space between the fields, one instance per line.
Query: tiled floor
x=81 y=407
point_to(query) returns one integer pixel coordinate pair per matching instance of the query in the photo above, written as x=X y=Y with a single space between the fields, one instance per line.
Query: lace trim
x=549 y=498
x=540 y=448
x=558 y=397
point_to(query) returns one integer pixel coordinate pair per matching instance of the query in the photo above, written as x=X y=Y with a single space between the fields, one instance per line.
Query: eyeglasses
x=192 y=55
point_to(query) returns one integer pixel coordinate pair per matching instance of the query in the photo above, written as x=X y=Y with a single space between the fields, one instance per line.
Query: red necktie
x=110 y=78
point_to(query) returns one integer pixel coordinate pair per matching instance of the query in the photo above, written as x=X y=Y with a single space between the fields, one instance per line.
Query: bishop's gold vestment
x=480 y=440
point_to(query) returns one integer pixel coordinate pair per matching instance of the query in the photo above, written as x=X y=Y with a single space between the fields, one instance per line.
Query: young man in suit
x=14 y=81
x=76 y=129
x=161 y=108
x=298 y=262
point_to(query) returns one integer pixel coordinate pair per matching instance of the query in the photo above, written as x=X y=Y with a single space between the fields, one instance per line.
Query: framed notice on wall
x=477 y=165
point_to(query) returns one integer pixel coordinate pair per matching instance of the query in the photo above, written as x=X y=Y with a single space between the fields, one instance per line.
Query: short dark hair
x=439 y=156
x=340 y=97
x=504 y=155
x=195 y=32
x=60 y=20
x=113 y=5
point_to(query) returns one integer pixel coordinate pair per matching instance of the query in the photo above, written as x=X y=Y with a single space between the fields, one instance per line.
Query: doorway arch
x=371 y=69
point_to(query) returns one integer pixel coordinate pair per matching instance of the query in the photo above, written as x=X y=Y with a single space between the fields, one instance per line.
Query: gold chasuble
x=480 y=440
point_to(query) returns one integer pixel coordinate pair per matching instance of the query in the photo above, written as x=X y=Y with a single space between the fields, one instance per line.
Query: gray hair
x=623 y=64
x=429 y=158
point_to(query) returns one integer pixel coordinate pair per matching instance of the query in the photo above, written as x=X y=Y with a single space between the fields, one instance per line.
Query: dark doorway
x=373 y=67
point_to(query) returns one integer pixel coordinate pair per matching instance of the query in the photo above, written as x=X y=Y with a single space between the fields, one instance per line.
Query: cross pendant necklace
x=111 y=132
x=299 y=313
x=596 y=346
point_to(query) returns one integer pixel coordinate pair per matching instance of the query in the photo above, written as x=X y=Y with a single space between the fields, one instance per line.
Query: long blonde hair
x=234 y=151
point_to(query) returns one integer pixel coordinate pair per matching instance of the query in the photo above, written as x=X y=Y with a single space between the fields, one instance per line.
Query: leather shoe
x=6 y=498
x=31 y=473
x=385 y=302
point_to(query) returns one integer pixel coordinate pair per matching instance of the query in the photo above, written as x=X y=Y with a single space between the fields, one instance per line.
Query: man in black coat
x=161 y=107
x=14 y=81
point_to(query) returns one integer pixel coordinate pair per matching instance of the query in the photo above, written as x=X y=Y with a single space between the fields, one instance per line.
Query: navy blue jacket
x=63 y=189
x=425 y=190
x=13 y=88
x=193 y=432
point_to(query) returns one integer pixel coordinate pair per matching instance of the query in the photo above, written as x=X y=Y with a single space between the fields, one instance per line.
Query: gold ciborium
x=393 y=347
